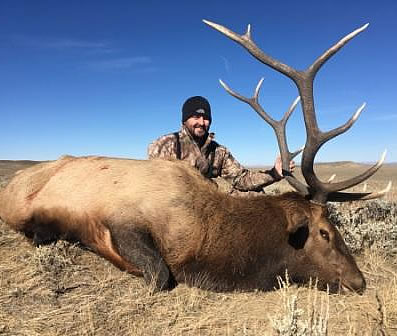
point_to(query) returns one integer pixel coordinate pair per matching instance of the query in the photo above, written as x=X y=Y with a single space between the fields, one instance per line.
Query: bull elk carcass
x=164 y=221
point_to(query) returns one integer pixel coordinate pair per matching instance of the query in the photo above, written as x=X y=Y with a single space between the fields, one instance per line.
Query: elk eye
x=325 y=235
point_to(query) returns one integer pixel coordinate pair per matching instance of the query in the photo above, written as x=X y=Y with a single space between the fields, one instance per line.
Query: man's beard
x=200 y=139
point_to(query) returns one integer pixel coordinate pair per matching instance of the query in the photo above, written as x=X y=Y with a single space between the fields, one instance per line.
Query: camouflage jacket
x=212 y=160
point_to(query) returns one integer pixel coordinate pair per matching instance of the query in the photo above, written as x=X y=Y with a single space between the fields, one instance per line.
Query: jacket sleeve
x=245 y=179
x=162 y=148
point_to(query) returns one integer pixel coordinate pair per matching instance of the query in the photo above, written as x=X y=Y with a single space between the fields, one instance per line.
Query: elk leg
x=48 y=226
x=103 y=245
x=138 y=248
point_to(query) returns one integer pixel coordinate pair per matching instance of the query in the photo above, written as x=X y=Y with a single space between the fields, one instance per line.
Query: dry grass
x=64 y=289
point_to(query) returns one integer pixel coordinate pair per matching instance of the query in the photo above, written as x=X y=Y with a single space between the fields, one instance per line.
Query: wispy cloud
x=141 y=63
x=226 y=63
x=93 y=53
x=69 y=44
x=60 y=43
x=385 y=117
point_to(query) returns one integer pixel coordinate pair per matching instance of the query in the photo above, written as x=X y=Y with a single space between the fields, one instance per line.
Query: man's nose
x=200 y=120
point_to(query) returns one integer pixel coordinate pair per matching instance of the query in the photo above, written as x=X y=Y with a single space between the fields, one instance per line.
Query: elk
x=164 y=221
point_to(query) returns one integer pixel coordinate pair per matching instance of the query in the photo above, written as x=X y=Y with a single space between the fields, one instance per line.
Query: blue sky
x=107 y=78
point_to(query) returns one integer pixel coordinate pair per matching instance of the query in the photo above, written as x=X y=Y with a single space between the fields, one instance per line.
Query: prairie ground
x=64 y=289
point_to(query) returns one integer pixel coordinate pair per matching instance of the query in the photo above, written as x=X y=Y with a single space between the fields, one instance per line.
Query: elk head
x=315 y=190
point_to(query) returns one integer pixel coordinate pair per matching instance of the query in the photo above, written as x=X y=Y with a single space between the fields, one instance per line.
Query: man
x=194 y=144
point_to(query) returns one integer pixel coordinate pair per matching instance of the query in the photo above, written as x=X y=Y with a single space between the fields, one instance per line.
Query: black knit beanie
x=196 y=105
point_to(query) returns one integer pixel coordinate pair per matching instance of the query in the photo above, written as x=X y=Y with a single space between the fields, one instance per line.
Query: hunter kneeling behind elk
x=197 y=146
x=166 y=222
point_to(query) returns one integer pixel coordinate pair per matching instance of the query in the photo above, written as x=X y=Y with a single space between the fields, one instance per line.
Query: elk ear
x=296 y=221
x=298 y=229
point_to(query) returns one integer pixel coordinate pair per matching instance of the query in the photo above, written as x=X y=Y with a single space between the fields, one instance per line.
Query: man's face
x=197 y=126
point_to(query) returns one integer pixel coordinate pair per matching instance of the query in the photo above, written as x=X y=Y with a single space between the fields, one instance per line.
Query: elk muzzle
x=353 y=281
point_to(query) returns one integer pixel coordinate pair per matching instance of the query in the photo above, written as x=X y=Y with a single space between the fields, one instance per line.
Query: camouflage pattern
x=212 y=160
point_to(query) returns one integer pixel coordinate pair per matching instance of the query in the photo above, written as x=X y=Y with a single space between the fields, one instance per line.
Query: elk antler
x=319 y=191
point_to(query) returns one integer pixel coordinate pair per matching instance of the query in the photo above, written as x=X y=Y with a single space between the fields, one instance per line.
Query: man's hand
x=278 y=166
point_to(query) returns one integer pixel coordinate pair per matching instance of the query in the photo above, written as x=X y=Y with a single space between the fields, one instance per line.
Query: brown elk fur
x=163 y=220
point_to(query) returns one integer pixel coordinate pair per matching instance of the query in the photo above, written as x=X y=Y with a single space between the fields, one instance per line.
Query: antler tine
x=279 y=129
x=331 y=178
x=325 y=136
x=346 y=197
x=253 y=102
x=295 y=183
x=338 y=186
x=318 y=63
x=297 y=152
x=247 y=42
x=284 y=121
x=291 y=109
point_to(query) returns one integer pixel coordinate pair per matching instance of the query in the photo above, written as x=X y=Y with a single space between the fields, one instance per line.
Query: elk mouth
x=341 y=287
x=355 y=285
x=345 y=288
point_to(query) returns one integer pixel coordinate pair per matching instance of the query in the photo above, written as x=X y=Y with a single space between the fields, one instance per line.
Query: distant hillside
x=351 y=163
x=11 y=166
x=19 y=162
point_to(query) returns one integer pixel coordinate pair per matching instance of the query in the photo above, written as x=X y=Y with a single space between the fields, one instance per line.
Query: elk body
x=166 y=222
x=163 y=218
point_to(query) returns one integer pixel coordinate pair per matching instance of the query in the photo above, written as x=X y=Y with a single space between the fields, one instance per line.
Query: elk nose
x=359 y=285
